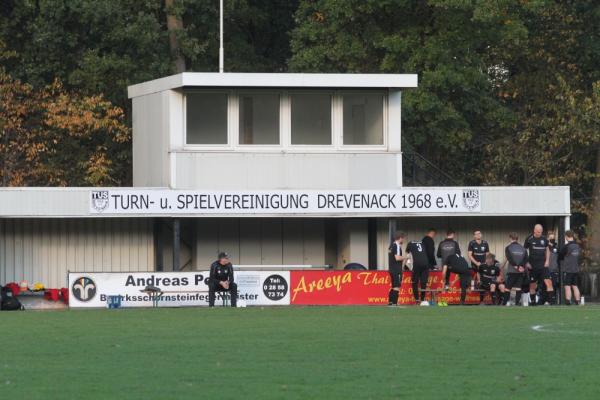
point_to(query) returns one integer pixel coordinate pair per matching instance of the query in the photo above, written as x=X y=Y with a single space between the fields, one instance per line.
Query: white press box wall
x=43 y=250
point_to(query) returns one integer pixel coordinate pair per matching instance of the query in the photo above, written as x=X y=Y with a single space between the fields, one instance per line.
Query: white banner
x=426 y=200
x=91 y=289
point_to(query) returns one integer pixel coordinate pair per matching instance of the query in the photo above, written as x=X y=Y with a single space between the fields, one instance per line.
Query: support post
x=392 y=227
x=221 y=50
x=158 y=245
x=372 y=242
x=561 y=243
x=176 y=243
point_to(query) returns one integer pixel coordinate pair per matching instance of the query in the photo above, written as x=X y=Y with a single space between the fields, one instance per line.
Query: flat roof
x=75 y=202
x=283 y=80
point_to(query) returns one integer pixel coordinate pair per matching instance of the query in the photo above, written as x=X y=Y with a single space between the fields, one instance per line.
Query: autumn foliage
x=54 y=137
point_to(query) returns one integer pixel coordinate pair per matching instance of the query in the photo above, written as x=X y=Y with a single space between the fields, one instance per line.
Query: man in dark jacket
x=570 y=255
x=458 y=265
x=514 y=264
x=395 y=262
x=221 y=280
x=447 y=247
x=429 y=245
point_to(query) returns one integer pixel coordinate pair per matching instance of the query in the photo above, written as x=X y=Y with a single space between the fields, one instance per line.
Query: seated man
x=221 y=280
x=458 y=265
x=488 y=277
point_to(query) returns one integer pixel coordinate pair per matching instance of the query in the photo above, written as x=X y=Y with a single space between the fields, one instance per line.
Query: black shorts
x=396 y=278
x=554 y=276
x=515 y=280
x=486 y=283
x=570 y=279
x=459 y=270
x=539 y=274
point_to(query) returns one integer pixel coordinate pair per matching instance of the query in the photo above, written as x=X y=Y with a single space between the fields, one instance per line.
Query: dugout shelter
x=277 y=169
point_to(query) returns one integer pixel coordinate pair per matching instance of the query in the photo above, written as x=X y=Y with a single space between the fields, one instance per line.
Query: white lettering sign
x=178 y=289
x=167 y=202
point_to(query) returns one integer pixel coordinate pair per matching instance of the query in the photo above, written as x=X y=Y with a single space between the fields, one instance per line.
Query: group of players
x=529 y=274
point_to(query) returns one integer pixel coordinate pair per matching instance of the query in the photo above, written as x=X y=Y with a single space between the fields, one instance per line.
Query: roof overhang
x=270 y=80
x=491 y=202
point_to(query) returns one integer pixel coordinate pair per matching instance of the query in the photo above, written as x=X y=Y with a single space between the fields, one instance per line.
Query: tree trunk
x=174 y=25
x=594 y=220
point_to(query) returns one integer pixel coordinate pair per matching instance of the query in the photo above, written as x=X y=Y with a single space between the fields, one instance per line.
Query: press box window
x=311 y=119
x=206 y=118
x=259 y=118
x=363 y=119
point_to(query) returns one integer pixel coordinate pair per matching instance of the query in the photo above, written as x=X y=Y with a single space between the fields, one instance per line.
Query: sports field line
x=558 y=328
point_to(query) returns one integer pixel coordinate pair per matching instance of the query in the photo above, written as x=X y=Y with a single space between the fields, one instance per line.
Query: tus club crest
x=99 y=200
x=471 y=199
x=84 y=289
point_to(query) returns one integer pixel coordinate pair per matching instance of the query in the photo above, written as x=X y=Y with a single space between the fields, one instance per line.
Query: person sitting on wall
x=488 y=277
x=221 y=280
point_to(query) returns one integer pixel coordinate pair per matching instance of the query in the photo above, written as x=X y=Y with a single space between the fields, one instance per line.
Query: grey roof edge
x=254 y=79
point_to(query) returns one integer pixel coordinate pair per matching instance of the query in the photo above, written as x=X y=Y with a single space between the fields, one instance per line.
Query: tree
x=452 y=45
x=99 y=47
x=52 y=137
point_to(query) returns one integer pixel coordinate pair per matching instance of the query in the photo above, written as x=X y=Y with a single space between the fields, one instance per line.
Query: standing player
x=420 y=270
x=553 y=266
x=430 y=247
x=395 y=267
x=516 y=258
x=458 y=265
x=447 y=248
x=489 y=273
x=477 y=250
x=570 y=254
x=539 y=260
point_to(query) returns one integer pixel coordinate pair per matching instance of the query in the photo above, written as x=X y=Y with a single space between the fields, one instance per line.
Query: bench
x=157 y=295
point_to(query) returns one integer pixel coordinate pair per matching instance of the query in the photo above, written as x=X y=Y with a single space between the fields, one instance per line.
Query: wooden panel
x=293 y=245
x=314 y=242
x=250 y=253
x=61 y=270
x=229 y=239
x=19 y=274
x=2 y=251
x=207 y=242
x=271 y=241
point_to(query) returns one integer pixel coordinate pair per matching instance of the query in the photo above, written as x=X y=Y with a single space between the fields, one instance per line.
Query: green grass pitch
x=302 y=353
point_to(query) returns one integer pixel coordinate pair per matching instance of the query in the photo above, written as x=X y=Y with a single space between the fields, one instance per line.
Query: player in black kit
x=221 y=280
x=570 y=255
x=539 y=261
x=446 y=248
x=395 y=260
x=420 y=269
x=458 y=265
x=553 y=266
x=430 y=247
x=516 y=258
x=477 y=250
x=489 y=273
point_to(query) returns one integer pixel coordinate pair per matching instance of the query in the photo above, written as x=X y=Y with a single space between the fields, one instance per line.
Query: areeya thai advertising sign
x=365 y=288
x=178 y=289
x=194 y=202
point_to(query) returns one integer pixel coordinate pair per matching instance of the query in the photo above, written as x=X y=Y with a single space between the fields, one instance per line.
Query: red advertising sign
x=364 y=288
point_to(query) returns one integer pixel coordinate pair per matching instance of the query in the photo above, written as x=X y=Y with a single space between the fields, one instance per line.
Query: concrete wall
x=43 y=250
x=264 y=171
x=151 y=140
